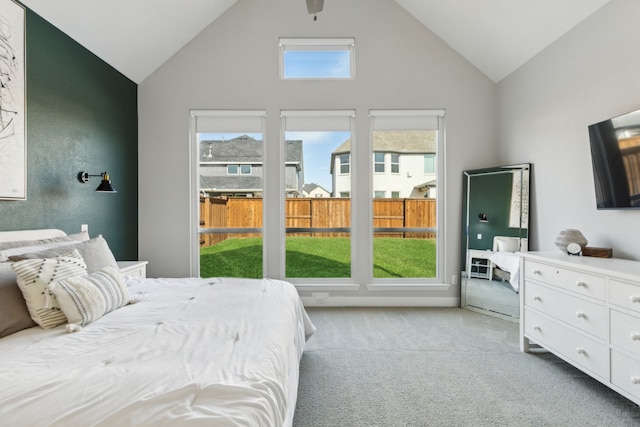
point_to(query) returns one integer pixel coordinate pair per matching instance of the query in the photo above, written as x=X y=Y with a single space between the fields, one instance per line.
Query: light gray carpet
x=441 y=367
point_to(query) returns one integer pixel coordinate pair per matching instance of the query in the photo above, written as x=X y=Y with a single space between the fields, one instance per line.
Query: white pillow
x=85 y=299
x=22 y=246
x=508 y=244
x=35 y=275
x=95 y=252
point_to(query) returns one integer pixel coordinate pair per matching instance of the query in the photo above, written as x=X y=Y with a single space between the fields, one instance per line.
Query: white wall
x=233 y=64
x=545 y=107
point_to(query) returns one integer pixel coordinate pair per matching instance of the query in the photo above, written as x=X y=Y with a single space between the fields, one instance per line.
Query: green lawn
x=320 y=257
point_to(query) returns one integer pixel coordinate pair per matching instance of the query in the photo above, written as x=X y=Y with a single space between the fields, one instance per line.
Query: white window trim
x=319 y=44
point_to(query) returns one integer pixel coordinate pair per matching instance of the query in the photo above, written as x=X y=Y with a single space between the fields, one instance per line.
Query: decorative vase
x=570 y=235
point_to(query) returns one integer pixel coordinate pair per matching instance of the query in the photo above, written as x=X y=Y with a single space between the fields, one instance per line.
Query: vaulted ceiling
x=138 y=36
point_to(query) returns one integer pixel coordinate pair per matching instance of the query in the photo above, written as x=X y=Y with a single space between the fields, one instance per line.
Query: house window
x=227 y=202
x=378 y=162
x=395 y=163
x=345 y=194
x=430 y=163
x=317 y=58
x=379 y=194
x=238 y=169
x=344 y=164
x=414 y=223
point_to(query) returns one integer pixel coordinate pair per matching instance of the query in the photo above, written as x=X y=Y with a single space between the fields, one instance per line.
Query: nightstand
x=479 y=265
x=133 y=268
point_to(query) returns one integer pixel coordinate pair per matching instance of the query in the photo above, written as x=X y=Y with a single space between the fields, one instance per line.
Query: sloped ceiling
x=138 y=36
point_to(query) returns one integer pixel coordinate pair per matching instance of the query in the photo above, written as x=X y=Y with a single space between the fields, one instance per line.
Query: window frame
x=319 y=44
x=219 y=121
x=377 y=162
x=413 y=120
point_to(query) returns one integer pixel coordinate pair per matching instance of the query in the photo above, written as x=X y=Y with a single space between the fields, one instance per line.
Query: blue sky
x=317 y=64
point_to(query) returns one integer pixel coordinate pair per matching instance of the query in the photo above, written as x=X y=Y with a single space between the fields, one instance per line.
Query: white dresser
x=586 y=311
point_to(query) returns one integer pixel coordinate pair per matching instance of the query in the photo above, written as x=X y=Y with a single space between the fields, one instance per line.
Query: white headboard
x=510 y=244
x=45 y=233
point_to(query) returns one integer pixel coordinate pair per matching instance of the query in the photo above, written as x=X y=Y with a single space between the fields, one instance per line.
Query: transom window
x=317 y=58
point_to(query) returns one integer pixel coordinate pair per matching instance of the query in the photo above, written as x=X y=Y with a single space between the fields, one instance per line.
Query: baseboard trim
x=445 y=302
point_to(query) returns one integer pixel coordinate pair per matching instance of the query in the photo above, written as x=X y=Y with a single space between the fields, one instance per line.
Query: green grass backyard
x=320 y=257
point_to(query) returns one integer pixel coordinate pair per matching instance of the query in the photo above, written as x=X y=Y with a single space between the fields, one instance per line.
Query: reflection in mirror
x=495 y=226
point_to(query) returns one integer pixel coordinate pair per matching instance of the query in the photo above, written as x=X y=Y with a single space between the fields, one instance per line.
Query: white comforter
x=216 y=352
x=510 y=262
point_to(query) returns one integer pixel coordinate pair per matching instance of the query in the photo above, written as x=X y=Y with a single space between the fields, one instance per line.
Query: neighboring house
x=315 y=190
x=234 y=168
x=404 y=165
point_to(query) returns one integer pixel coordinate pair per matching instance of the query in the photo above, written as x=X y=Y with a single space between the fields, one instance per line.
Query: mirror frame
x=485 y=225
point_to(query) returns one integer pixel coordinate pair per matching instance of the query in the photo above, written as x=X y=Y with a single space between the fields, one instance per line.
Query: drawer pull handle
x=581 y=350
x=635 y=336
x=537 y=272
x=536 y=328
x=581 y=284
x=581 y=315
x=537 y=298
x=634 y=298
x=635 y=380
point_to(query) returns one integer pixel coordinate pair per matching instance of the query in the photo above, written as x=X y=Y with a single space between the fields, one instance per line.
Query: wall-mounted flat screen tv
x=615 y=154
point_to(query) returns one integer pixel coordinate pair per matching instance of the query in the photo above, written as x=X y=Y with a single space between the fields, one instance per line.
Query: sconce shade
x=104 y=187
x=483 y=217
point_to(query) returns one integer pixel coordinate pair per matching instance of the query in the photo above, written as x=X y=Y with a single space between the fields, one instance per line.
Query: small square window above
x=318 y=58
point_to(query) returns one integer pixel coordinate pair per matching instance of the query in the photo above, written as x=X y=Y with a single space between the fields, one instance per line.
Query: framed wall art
x=13 y=143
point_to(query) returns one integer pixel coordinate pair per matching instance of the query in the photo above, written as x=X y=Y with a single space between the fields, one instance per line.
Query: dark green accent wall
x=490 y=194
x=81 y=116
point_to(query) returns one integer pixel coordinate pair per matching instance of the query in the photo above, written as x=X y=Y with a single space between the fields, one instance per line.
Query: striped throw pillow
x=35 y=275
x=85 y=299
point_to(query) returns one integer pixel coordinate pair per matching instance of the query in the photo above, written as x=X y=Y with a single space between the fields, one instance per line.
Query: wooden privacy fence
x=317 y=212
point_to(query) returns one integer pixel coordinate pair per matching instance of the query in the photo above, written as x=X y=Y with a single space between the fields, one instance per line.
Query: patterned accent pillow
x=34 y=275
x=85 y=299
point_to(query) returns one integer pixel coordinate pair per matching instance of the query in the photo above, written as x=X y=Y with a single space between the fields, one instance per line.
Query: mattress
x=221 y=352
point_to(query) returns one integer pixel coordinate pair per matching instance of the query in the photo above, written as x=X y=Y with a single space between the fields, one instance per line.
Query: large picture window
x=228 y=190
x=407 y=228
x=317 y=148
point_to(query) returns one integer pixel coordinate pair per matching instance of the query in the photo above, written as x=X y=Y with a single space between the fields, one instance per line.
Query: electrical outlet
x=454 y=279
x=479 y=236
x=84 y=227
x=320 y=297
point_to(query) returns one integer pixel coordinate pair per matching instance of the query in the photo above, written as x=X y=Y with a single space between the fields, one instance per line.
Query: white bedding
x=509 y=262
x=191 y=352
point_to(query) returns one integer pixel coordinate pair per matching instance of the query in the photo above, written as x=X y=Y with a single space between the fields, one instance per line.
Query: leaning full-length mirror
x=495 y=226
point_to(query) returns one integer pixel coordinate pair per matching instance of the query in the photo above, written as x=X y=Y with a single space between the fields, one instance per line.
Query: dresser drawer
x=625 y=373
x=585 y=315
x=582 y=351
x=571 y=280
x=625 y=295
x=625 y=331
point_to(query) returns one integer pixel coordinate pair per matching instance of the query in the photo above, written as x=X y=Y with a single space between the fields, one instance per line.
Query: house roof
x=416 y=141
x=244 y=149
x=496 y=36
x=231 y=183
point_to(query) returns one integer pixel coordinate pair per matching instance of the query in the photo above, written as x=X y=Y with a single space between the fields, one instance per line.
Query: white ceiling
x=138 y=36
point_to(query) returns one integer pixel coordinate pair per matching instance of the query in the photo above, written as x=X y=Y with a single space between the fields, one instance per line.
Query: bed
x=505 y=260
x=189 y=351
